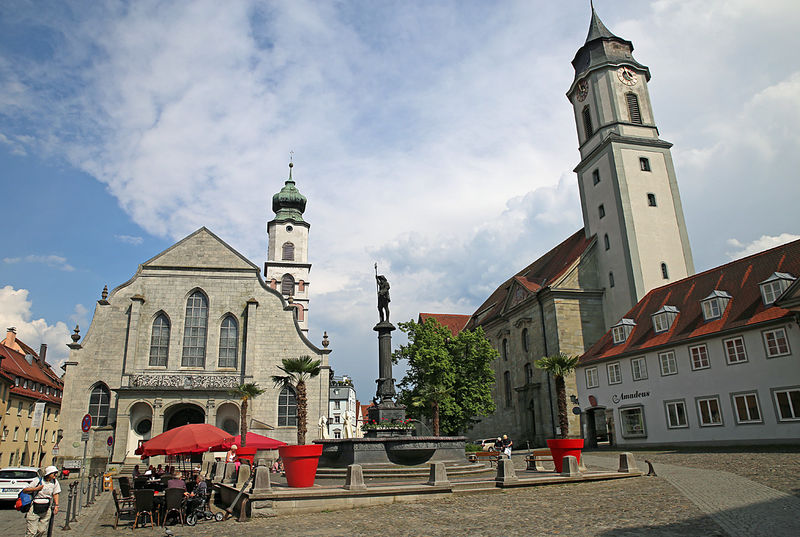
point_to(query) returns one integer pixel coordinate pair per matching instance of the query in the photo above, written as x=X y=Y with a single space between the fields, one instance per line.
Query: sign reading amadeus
x=616 y=398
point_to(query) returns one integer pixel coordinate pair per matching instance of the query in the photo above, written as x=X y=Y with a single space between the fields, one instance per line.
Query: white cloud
x=54 y=261
x=16 y=145
x=15 y=310
x=80 y=316
x=765 y=242
x=130 y=239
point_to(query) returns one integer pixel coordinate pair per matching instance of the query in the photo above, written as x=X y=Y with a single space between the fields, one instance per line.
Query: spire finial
x=291 y=164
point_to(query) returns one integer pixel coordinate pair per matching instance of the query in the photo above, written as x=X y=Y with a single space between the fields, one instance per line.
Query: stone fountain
x=390 y=447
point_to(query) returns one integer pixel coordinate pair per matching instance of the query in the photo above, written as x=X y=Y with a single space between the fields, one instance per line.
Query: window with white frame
x=632 y=420
x=614 y=373
x=621 y=332
x=591 y=377
x=776 y=343
x=663 y=318
x=747 y=409
x=774 y=286
x=711 y=309
x=734 y=350
x=709 y=411
x=699 y=356
x=676 y=414
x=639 y=368
x=787 y=401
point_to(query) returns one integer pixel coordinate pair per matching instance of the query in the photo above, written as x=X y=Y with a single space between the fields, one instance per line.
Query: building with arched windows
x=165 y=348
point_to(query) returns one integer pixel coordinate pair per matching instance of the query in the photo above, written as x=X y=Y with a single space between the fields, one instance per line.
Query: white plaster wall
x=758 y=374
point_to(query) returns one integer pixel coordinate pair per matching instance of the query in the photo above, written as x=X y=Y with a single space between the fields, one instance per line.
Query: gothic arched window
x=587 y=122
x=287 y=285
x=228 y=341
x=288 y=251
x=633 y=108
x=159 y=341
x=194 y=331
x=99 y=401
x=287 y=408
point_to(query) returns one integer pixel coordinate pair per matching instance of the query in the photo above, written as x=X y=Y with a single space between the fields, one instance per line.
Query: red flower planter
x=563 y=447
x=300 y=464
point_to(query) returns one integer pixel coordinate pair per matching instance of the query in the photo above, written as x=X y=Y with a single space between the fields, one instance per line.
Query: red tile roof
x=541 y=273
x=739 y=278
x=455 y=322
x=14 y=364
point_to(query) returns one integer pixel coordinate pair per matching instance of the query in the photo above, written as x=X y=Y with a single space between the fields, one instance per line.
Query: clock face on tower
x=626 y=76
x=583 y=90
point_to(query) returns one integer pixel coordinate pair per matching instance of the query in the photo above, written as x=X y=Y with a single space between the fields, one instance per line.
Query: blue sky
x=431 y=137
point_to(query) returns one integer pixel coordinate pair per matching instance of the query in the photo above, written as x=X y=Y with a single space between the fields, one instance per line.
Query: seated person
x=136 y=471
x=150 y=471
x=198 y=495
x=177 y=482
x=159 y=471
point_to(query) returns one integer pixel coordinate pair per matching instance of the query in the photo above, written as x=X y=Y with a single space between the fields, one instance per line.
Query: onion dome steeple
x=289 y=204
x=603 y=48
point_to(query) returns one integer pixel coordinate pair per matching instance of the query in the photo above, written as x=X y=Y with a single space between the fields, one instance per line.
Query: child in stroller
x=197 y=504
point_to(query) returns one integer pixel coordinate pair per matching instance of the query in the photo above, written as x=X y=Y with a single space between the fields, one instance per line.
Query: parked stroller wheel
x=191 y=520
x=208 y=515
x=218 y=517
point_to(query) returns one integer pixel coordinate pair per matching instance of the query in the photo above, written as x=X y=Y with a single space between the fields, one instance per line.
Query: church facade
x=633 y=239
x=165 y=348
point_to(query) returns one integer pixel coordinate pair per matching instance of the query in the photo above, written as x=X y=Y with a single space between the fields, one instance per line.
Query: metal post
x=86 y=491
x=76 y=504
x=69 y=508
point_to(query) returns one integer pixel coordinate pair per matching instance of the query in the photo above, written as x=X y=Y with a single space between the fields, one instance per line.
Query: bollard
x=76 y=502
x=90 y=491
x=87 y=491
x=69 y=508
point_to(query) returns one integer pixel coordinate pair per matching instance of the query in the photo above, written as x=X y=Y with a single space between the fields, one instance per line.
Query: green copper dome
x=289 y=203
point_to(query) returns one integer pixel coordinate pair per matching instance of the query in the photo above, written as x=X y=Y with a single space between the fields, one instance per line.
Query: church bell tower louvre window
x=595 y=177
x=194 y=333
x=288 y=251
x=664 y=271
x=644 y=164
x=633 y=108
x=159 y=341
x=287 y=285
x=587 y=122
x=228 y=342
x=651 y=200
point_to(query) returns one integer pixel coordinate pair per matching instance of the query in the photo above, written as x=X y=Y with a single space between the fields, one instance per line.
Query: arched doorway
x=183 y=414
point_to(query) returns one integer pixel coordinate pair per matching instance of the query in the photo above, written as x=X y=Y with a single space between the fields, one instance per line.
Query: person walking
x=507 y=443
x=45 y=503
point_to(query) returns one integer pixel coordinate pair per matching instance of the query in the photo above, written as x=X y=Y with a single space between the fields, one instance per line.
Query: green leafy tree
x=560 y=365
x=297 y=372
x=245 y=393
x=449 y=378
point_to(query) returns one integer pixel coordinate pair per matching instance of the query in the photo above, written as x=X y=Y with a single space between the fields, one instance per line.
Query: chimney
x=42 y=351
x=11 y=336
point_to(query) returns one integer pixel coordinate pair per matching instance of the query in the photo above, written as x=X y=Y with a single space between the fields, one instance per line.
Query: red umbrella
x=192 y=438
x=254 y=441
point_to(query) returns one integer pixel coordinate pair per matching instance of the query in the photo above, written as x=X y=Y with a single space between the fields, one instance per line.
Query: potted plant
x=299 y=461
x=560 y=365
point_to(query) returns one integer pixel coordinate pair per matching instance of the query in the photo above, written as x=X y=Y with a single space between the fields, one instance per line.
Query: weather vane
x=291 y=155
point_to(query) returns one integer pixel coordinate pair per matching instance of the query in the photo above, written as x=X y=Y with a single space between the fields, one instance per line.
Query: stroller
x=197 y=509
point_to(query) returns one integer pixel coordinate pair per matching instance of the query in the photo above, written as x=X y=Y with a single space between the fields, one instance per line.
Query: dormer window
x=663 y=318
x=622 y=330
x=772 y=287
x=714 y=304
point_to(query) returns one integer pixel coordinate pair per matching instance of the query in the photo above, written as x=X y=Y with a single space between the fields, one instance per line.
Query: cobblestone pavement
x=680 y=502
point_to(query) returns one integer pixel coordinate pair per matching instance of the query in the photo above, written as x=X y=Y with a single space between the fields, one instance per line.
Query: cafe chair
x=144 y=505
x=125 y=490
x=174 y=503
x=123 y=508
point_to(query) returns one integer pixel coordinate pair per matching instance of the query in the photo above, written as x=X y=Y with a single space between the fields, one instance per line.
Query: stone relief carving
x=184 y=381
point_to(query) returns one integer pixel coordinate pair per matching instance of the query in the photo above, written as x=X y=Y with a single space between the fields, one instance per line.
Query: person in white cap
x=45 y=503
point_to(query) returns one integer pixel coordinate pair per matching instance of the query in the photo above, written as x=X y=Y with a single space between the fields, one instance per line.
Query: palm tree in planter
x=245 y=392
x=297 y=459
x=560 y=365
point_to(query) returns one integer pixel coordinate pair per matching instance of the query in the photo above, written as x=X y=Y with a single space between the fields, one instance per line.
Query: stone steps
x=453 y=470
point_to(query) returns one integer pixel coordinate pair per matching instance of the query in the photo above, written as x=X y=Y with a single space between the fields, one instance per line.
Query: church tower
x=287 y=266
x=629 y=193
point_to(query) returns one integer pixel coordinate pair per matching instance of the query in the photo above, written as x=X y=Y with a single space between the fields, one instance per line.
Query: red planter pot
x=300 y=464
x=563 y=447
